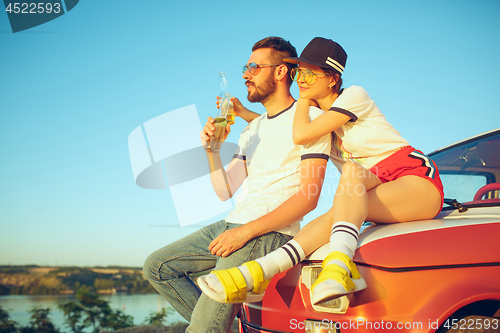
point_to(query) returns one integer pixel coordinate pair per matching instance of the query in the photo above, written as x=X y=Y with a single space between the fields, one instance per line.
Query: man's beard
x=262 y=92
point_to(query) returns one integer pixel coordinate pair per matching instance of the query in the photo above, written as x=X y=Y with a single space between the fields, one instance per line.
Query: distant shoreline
x=66 y=280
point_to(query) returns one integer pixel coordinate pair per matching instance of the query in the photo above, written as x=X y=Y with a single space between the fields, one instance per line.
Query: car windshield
x=470 y=170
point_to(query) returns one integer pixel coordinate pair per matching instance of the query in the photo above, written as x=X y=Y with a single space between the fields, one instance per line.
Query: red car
x=439 y=275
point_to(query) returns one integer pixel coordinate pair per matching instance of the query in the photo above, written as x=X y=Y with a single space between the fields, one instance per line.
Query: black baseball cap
x=324 y=53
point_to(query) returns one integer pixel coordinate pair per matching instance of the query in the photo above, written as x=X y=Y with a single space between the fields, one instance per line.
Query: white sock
x=281 y=259
x=273 y=263
x=344 y=239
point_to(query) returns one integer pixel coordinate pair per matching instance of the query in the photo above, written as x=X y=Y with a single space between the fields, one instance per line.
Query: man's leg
x=167 y=269
x=211 y=316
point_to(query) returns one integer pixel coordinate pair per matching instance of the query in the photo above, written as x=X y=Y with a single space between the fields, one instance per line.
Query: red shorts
x=405 y=162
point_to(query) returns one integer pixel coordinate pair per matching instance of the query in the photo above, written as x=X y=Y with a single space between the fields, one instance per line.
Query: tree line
x=26 y=280
x=89 y=313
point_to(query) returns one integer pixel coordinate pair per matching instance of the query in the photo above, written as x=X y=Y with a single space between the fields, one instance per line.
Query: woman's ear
x=333 y=80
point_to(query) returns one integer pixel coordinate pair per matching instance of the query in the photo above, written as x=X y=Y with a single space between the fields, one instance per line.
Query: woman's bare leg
x=315 y=233
x=405 y=199
x=408 y=198
x=350 y=204
x=361 y=197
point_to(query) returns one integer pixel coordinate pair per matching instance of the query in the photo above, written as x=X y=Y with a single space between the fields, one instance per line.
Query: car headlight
x=337 y=305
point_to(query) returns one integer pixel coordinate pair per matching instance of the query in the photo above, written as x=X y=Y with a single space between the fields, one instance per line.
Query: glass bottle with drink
x=225 y=99
x=224 y=116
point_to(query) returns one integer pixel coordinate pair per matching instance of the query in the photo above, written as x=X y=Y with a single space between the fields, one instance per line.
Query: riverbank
x=37 y=280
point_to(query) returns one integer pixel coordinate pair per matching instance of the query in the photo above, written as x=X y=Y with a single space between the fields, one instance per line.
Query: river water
x=138 y=306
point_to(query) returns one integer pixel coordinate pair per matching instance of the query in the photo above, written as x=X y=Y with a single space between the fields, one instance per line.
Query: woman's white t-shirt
x=368 y=137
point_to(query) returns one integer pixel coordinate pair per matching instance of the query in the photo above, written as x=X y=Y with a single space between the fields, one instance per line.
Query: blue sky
x=73 y=89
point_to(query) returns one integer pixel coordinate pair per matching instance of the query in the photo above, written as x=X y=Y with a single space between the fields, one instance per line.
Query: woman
x=383 y=180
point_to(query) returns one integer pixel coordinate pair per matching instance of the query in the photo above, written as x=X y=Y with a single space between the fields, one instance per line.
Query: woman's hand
x=310 y=102
x=238 y=107
x=240 y=110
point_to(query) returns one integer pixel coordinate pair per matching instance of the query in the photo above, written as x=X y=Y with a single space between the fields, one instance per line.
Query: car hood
x=451 y=239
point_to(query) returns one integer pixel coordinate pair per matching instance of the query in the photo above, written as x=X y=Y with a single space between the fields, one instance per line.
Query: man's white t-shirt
x=273 y=165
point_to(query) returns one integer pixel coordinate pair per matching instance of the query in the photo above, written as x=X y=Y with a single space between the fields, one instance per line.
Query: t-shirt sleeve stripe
x=344 y=111
x=317 y=155
x=241 y=157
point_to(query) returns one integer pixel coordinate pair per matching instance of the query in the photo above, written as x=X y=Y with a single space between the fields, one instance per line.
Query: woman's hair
x=281 y=49
x=338 y=85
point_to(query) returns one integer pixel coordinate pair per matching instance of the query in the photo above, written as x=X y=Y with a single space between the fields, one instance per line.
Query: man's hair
x=281 y=49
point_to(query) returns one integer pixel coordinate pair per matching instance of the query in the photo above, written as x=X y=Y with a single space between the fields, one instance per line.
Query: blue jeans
x=168 y=271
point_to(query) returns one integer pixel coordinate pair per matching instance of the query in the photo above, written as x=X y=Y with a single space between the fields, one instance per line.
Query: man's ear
x=281 y=72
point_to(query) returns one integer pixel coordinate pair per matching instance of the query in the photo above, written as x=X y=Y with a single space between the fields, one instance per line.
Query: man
x=280 y=182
